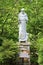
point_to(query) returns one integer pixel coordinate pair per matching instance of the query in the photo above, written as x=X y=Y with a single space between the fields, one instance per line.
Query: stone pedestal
x=24 y=48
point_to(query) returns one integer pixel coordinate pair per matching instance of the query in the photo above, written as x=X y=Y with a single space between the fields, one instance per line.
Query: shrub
x=8 y=52
x=40 y=51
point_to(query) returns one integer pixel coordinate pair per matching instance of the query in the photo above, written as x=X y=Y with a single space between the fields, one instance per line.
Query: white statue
x=22 y=18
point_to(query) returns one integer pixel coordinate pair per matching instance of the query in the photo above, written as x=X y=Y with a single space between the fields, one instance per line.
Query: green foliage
x=9 y=10
x=33 y=49
x=9 y=20
x=40 y=51
x=8 y=51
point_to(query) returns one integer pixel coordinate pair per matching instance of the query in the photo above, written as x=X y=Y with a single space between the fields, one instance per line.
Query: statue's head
x=22 y=10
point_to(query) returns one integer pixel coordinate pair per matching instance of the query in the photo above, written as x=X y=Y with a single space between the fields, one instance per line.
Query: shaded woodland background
x=9 y=10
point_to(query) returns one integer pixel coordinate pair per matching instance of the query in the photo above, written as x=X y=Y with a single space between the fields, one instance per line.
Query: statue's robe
x=22 y=26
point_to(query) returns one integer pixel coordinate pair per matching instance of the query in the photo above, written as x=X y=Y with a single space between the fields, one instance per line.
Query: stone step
x=25 y=44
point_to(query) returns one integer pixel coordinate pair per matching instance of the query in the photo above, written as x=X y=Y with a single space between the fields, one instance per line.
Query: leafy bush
x=8 y=52
x=34 y=56
x=40 y=51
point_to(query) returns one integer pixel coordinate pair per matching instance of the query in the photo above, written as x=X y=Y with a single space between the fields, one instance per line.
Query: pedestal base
x=25 y=52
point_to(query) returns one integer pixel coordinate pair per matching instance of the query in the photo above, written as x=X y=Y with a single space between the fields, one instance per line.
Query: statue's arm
x=19 y=20
x=26 y=17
